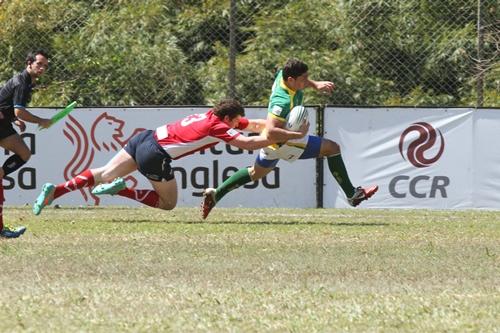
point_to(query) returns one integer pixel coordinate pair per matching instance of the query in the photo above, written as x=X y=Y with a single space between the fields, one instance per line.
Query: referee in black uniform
x=15 y=95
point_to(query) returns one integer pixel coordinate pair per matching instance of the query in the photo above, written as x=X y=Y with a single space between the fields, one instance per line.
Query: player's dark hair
x=30 y=58
x=294 y=68
x=229 y=107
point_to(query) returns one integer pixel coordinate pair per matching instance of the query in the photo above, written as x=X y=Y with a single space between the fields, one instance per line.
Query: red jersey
x=194 y=133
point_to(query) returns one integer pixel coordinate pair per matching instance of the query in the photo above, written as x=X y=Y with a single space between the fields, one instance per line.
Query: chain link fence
x=173 y=52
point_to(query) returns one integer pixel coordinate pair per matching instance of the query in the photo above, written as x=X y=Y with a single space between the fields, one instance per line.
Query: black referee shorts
x=6 y=129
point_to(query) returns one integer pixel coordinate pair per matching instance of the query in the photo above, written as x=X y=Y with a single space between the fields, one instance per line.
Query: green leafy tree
x=120 y=53
x=378 y=52
x=316 y=38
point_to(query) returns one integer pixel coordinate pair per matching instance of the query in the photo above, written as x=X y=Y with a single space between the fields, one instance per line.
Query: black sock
x=12 y=164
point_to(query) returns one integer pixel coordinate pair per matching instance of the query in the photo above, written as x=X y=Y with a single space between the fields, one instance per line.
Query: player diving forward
x=287 y=92
x=152 y=151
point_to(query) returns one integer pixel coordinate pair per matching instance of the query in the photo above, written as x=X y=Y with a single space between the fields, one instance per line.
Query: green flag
x=61 y=114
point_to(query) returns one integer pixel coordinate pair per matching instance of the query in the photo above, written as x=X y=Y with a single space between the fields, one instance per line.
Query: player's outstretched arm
x=25 y=115
x=256 y=125
x=324 y=86
x=250 y=142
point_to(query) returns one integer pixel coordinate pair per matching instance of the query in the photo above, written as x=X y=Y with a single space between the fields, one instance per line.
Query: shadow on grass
x=346 y=224
x=354 y=224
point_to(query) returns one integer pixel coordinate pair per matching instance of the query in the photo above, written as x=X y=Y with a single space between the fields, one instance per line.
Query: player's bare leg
x=15 y=144
x=328 y=148
x=162 y=196
x=22 y=154
x=120 y=165
x=257 y=172
x=167 y=192
x=111 y=174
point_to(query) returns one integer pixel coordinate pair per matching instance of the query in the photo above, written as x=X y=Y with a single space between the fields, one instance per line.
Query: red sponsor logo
x=425 y=141
x=105 y=134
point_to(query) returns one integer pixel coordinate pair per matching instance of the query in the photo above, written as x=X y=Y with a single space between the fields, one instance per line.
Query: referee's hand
x=44 y=123
x=21 y=124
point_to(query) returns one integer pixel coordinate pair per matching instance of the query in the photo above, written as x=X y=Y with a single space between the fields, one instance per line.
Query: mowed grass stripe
x=141 y=269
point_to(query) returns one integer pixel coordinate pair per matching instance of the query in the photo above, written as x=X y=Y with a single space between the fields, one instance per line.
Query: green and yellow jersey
x=283 y=99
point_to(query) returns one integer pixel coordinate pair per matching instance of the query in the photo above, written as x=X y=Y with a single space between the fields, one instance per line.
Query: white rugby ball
x=297 y=116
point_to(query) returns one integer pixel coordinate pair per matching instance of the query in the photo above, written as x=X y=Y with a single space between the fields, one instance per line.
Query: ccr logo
x=424 y=142
x=421 y=186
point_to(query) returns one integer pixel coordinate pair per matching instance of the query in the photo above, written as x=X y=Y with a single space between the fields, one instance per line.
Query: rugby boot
x=361 y=194
x=208 y=202
x=8 y=232
x=43 y=199
x=110 y=188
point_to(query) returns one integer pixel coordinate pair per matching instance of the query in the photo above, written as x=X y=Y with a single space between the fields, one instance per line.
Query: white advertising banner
x=486 y=159
x=419 y=158
x=89 y=138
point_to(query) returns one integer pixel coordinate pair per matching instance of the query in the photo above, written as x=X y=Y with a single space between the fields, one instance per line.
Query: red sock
x=85 y=179
x=147 y=197
x=1 y=204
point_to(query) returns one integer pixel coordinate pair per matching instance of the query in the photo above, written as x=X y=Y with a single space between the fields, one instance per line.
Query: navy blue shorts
x=311 y=150
x=152 y=160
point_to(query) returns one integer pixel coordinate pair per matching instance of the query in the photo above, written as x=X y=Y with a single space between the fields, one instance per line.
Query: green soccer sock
x=339 y=172
x=241 y=177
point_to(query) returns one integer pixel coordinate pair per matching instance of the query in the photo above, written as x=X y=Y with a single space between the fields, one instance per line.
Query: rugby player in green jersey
x=288 y=92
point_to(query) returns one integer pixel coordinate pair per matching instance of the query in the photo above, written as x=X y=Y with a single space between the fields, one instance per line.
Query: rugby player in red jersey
x=152 y=151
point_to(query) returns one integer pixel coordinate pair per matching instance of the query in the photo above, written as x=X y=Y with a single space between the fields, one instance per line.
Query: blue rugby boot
x=43 y=198
x=110 y=188
x=8 y=232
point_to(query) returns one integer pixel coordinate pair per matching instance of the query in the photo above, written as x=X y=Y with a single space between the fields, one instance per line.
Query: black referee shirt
x=16 y=93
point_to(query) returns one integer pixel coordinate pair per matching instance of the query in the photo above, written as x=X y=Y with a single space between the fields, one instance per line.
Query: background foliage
x=172 y=52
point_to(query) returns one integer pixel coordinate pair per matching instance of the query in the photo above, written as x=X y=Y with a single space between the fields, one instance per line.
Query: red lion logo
x=106 y=133
x=425 y=141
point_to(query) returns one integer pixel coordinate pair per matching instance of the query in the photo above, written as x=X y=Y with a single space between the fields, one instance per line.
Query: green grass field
x=252 y=270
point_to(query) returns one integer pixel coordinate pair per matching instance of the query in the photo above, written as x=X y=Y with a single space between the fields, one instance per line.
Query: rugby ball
x=297 y=116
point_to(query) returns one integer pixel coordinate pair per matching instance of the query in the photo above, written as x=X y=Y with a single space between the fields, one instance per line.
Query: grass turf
x=298 y=270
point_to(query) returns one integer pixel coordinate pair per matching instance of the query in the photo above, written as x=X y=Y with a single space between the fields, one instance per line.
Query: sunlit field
x=251 y=270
